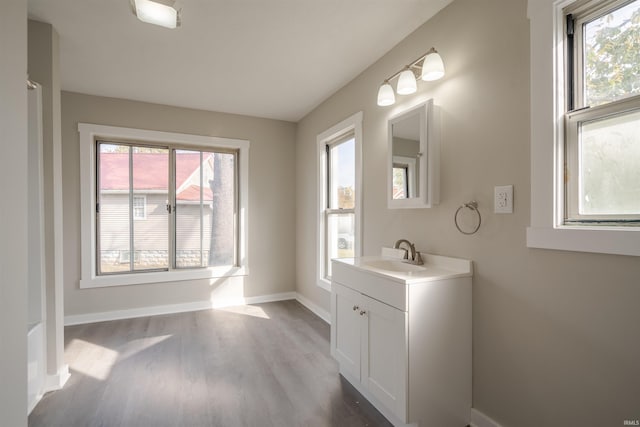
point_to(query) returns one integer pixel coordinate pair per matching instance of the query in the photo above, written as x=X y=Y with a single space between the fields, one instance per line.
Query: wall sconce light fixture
x=432 y=68
x=165 y=13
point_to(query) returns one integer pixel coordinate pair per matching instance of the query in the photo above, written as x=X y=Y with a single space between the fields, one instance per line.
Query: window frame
x=89 y=134
x=578 y=113
x=142 y=197
x=408 y=164
x=573 y=122
x=352 y=124
x=547 y=229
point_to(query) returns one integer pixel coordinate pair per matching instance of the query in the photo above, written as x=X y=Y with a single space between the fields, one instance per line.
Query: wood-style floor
x=257 y=366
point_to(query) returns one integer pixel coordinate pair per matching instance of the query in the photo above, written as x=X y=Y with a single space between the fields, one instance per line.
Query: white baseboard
x=316 y=309
x=478 y=419
x=32 y=402
x=79 y=319
x=58 y=380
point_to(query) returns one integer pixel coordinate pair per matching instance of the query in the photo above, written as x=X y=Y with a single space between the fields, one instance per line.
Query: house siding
x=151 y=234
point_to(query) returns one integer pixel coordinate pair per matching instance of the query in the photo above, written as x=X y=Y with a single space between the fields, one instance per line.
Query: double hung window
x=602 y=120
x=340 y=200
x=404 y=170
x=339 y=167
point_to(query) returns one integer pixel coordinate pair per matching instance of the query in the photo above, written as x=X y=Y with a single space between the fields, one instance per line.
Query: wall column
x=43 y=60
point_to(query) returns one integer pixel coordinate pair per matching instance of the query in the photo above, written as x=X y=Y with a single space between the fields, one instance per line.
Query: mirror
x=413 y=158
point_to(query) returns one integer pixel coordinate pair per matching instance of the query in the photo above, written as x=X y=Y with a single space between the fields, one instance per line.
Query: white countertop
x=435 y=267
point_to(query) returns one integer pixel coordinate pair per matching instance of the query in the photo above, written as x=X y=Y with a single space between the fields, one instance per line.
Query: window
x=404 y=170
x=167 y=209
x=602 y=137
x=203 y=225
x=566 y=117
x=204 y=208
x=339 y=195
x=139 y=207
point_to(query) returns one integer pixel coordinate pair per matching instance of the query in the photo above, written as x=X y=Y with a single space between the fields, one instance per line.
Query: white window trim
x=89 y=133
x=547 y=121
x=144 y=206
x=353 y=123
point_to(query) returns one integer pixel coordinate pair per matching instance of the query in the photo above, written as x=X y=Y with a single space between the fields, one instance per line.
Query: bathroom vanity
x=401 y=334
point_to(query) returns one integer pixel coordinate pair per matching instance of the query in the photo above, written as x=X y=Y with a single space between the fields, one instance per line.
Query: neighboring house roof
x=151 y=173
x=192 y=194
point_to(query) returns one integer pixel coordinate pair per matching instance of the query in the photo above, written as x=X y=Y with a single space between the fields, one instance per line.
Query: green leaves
x=612 y=56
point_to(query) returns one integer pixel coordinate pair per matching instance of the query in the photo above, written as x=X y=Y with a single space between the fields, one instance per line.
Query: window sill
x=603 y=240
x=325 y=284
x=162 y=277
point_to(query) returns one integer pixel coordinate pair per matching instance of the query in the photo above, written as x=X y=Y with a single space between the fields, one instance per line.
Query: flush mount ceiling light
x=165 y=13
x=432 y=68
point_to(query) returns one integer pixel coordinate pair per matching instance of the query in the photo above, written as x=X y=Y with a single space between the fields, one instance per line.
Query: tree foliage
x=610 y=150
x=612 y=60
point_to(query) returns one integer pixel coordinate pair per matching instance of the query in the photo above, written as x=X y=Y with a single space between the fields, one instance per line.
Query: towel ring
x=473 y=205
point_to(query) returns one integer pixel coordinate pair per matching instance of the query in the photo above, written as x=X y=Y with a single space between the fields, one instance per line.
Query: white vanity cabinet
x=369 y=344
x=404 y=339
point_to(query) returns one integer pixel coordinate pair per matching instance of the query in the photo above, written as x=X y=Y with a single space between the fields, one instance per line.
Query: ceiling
x=276 y=59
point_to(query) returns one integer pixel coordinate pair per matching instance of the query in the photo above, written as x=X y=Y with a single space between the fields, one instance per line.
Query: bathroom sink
x=394 y=270
x=393 y=265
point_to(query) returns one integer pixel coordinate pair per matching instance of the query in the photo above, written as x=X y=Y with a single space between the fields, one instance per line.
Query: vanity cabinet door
x=345 y=330
x=384 y=361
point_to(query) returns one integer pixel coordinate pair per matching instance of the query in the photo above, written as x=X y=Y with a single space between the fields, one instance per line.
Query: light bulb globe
x=406 y=83
x=433 y=67
x=386 y=96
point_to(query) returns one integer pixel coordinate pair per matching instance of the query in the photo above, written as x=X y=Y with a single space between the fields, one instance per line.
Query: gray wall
x=271 y=203
x=13 y=221
x=44 y=68
x=555 y=333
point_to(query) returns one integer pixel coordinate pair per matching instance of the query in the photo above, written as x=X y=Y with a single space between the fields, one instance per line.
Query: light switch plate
x=503 y=199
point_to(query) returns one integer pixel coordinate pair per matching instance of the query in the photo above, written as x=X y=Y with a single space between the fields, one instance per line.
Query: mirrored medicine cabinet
x=413 y=165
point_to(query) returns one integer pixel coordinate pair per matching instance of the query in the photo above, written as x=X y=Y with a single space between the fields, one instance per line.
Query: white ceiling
x=268 y=58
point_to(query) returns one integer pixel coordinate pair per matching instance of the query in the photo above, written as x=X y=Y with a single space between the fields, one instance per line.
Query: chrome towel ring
x=473 y=205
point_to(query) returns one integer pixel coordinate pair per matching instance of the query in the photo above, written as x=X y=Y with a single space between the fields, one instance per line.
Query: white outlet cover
x=503 y=199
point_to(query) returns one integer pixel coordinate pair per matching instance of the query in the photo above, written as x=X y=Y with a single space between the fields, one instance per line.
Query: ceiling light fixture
x=386 y=95
x=432 y=68
x=157 y=13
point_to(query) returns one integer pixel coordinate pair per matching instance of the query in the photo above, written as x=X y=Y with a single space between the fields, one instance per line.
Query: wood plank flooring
x=261 y=365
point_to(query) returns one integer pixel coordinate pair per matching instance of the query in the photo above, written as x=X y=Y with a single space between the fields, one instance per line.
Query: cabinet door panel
x=345 y=336
x=384 y=366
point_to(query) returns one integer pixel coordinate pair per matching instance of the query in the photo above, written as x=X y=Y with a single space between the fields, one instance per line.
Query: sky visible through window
x=346 y=164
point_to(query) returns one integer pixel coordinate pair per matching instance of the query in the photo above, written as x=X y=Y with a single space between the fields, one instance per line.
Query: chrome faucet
x=416 y=258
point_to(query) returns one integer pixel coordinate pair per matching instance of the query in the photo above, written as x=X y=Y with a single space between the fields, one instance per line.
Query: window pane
x=400 y=182
x=610 y=166
x=188 y=209
x=220 y=221
x=139 y=207
x=113 y=219
x=205 y=209
x=342 y=175
x=612 y=57
x=150 y=184
x=340 y=237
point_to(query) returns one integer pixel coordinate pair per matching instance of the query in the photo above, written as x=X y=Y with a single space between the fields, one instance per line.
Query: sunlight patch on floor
x=97 y=360
x=247 y=310
x=141 y=344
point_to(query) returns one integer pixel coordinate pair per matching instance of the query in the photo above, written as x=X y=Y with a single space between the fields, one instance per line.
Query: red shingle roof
x=192 y=194
x=150 y=170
